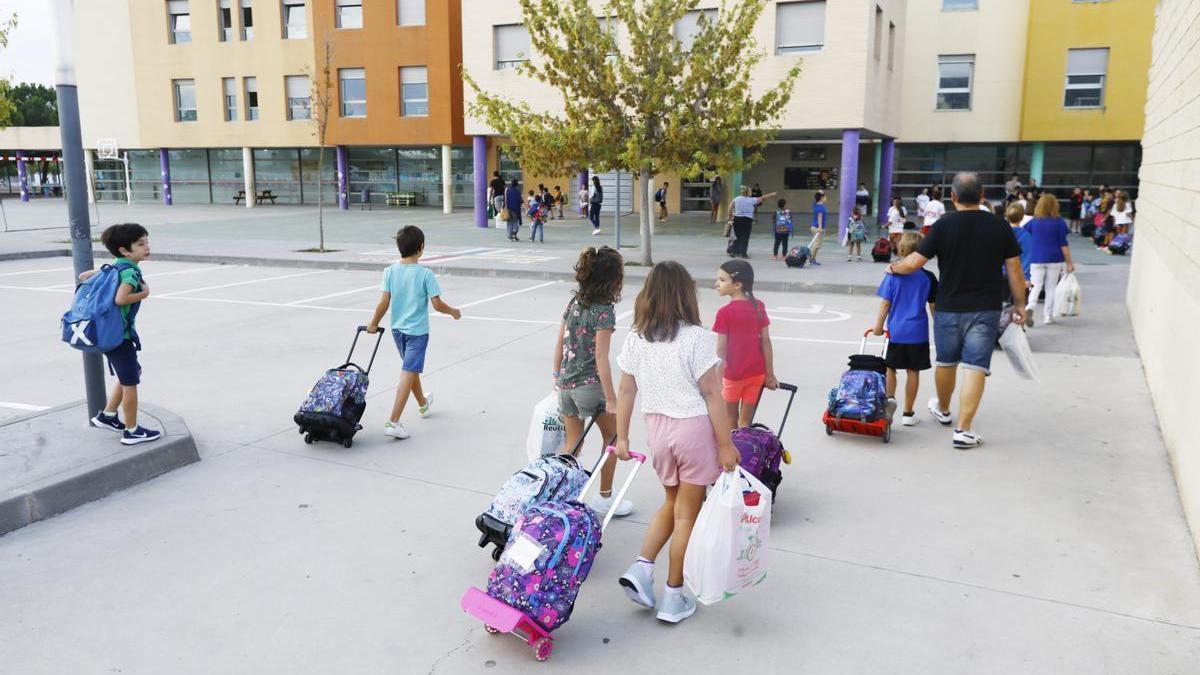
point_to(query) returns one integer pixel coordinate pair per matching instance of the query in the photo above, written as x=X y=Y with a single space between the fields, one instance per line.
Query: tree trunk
x=321 y=195
x=644 y=215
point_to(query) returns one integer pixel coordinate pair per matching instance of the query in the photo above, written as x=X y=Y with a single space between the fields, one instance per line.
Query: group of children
x=784 y=228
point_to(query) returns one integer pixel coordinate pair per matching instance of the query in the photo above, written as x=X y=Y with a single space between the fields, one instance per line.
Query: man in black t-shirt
x=496 y=192
x=973 y=247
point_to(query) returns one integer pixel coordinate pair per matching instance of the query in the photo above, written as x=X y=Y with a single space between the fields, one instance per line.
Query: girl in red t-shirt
x=743 y=343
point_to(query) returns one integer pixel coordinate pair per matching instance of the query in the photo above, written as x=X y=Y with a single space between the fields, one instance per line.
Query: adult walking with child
x=1049 y=254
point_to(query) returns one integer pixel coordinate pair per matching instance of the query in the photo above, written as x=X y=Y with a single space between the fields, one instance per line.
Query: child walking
x=903 y=306
x=408 y=289
x=581 y=365
x=130 y=245
x=743 y=343
x=783 y=229
x=671 y=360
x=856 y=234
x=539 y=212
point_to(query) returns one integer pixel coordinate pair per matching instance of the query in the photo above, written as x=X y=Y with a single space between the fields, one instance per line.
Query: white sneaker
x=601 y=505
x=638 y=583
x=595 y=231
x=395 y=430
x=676 y=607
x=965 y=440
x=943 y=418
x=424 y=410
x=909 y=420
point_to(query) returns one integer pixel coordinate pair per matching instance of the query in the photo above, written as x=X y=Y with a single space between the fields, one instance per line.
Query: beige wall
x=104 y=69
x=30 y=138
x=995 y=34
x=1164 y=284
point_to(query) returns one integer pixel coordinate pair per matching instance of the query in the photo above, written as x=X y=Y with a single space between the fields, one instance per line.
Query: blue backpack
x=94 y=322
x=861 y=395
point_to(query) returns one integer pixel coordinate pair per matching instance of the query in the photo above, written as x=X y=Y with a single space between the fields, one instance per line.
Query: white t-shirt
x=895 y=221
x=743 y=207
x=1123 y=217
x=934 y=210
x=922 y=202
x=668 y=373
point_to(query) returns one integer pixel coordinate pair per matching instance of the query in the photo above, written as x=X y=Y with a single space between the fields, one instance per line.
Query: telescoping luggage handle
x=638 y=458
x=788 y=388
x=887 y=338
x=349 y=363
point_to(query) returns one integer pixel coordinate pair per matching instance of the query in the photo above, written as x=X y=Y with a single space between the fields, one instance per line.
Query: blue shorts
x=967 y=338
x=123 y=363
x=412 y=350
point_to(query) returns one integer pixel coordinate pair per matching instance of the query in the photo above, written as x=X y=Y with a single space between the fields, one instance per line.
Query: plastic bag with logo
x=1067 y=297
x=546 y=431
x=727 y=552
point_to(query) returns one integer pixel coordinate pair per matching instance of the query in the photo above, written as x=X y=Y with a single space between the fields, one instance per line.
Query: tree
x=645 y=103
x=323 y=101
x=7 y=109
x=36 y=105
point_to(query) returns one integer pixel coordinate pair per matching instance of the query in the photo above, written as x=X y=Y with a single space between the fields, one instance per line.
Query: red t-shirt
x=742 y=326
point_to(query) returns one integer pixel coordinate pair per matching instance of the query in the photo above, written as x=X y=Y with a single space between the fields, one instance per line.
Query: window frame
x=790 y=49
x=224 y=29
x=288 y=98
x=400 y=14
x=404 y=101
x=342 y=101
x=339 y=21
x=173 y=19
x=699 y=12
x=1102 y=85
x=177 y=96
x=507 y=64
x=286 y=8
x=230 y=112
x=944 y=59
x=251 y=108
x=246 y=24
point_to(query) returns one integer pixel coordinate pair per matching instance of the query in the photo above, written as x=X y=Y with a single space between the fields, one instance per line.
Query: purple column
x=847 y=179
x=343 y=177
x=164 y=164
x=22 y=176
x=479 y=156
x=886 y=157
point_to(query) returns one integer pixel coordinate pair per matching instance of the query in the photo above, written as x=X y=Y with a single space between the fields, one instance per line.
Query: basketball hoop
x=106 y=148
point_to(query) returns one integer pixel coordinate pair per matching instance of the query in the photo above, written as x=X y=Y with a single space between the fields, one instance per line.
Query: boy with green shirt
x=130 y=244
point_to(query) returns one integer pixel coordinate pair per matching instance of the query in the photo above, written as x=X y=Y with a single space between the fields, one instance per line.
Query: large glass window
x=185 y=100
x=190 y=178
x=414 y=91
x=956 y=5
x=348 y=14
x=511 y=44
x=688 y=27
x=299 y=105
x=247 y=20
x=372 y=170
x=225 y=20
x=352 y=89
x=799 y=27
x=179 y=22
x=1086 y=71
x=295 y=21
x=278 y=170
x=229 y=98
x=228 y=174
x=410 y=12
x=309 y=161
x=462 y=166
x=145 y=175
x=955 y=73
x=421 y=172
x=251 y=84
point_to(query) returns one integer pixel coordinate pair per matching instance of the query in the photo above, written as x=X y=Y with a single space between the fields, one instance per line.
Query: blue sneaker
x=814 y=263
x=140 y=434
x=638 y=583
x=102 y=421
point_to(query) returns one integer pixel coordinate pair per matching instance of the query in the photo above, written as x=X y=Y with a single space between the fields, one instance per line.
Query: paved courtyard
x=1058 y=547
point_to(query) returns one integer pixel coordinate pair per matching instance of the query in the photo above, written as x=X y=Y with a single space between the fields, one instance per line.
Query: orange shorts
x=746 y=390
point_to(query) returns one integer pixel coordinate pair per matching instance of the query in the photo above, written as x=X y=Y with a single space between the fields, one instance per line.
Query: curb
x=103 y=476
x=29 y=255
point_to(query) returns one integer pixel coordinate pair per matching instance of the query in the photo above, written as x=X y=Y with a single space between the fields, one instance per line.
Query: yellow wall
x=1055 y=26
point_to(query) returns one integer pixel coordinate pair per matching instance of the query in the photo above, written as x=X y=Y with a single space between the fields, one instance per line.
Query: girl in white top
x=583 y=201
x=922 y=201
x=671 y=361
x=933 y=210
x=1122 y=212
x=896 y=216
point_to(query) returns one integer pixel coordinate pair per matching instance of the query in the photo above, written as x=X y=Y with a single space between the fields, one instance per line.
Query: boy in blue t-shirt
x=408 y=290
x=903 y=306
x=130 y=244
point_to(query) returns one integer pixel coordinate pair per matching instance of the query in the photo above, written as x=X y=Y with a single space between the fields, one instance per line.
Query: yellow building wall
x=1126 y=28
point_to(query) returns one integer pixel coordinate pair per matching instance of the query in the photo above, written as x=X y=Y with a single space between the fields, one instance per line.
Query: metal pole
x=75 y=184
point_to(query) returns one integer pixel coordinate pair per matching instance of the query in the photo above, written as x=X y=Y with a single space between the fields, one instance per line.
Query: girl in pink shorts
x=671 y=361
x=743 y=343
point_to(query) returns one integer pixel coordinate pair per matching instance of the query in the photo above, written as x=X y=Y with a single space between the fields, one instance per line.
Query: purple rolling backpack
x=761 y=449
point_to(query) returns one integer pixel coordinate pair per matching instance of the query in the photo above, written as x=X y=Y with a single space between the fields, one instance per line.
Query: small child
x=783 y=229
x=671 y=360
x=130 y=244
x=743 y=343
x=856 y=234
x=408 y=290
x=903 y=306
x=539 y=211
x=583 y=200
x=581 y=365
x=560 y=201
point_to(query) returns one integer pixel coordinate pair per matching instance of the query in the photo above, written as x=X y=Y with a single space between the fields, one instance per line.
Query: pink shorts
x=747 y=390
x=685 y=450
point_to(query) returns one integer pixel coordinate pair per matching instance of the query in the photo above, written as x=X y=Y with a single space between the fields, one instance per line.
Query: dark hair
x=513 y=183
x=818 y=196
x=531 y=193
x=966 y=188
x=122 y=236
x=600 y=272
x=742 y=272
x=596 y=181
x=667 y=298
x=781 y=203
x=910 y=225
x=496 y=174
x=557 y=188
x=410 y=240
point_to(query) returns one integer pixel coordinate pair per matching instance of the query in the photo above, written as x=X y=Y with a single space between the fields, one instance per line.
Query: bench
x=237 y=198
x=264 y=196
x=402 y=199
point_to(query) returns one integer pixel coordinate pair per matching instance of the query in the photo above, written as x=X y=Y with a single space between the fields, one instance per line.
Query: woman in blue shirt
x=1048 y=254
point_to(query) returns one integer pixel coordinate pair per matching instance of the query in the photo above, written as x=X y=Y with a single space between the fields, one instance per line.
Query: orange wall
x=381 y=48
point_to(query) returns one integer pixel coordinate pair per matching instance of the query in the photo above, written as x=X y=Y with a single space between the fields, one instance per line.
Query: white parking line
x=244 y=283
x=817 y=340
x=56 y=269
x=24 y=406
x=508 y=294
x=153 y=275
x=334 y=295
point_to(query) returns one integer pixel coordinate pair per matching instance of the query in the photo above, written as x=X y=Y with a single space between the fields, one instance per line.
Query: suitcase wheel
x=496 y=553
x=542 y=647
x=347 y=442
x=828 y=429
x=887 y=433
x=490 y=630
x=308 y=438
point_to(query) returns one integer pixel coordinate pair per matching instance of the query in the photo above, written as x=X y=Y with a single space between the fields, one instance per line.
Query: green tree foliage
x=7 y=109
x=36 y=105
x=634 y=98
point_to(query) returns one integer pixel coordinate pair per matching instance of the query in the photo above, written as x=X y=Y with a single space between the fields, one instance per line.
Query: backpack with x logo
x=94 y=322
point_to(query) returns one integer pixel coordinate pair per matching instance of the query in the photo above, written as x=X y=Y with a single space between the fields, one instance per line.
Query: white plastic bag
x=546 y=431
x=1016 y=348
x=1067 y=297
x=727 y=552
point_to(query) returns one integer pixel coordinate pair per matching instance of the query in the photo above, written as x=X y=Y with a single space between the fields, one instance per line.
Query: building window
x=959 y=5
x=414 y=91
x=799 y=27
x=251 y=84
x=511 y=44
x=229 y=96
x=295 y=21
x=247 y=20
x=352 y=89
x=891 y=45
x=878 y=32
x=185 y=100
x=1086 y=71
x=955 y=73
x=299 y=106
x=179 y=22
x=410 y=12
x=688 y=27
x=349 y=13
x=225 y=20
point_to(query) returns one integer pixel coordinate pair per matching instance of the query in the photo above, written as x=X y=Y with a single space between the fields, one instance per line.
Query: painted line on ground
x=334 y=295
x=816 y=340
x=508 y=294
x=459 y=255
x=244 y=283
x=153 y=275
x=24 y=406
x=839 y=316
x=55 y=269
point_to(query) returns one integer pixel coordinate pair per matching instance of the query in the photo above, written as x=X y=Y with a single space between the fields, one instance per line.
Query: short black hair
x=910 y=225
x=122 y=236
x=496 y=174
x=782 y=203
x=410 y=240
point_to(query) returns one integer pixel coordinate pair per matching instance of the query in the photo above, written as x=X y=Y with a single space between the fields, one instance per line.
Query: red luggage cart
x=880 y=428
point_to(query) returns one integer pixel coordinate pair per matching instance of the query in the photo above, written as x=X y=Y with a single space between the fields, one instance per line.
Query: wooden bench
x=264 y=196
x=402 y=199
x=237 y=198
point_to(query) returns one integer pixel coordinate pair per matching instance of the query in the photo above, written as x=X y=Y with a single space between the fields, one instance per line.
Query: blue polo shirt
x=907 y=320
x=820 y=216
x=1047 y=236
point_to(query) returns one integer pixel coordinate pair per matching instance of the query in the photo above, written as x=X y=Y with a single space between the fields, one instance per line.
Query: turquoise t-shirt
x=411 y=286
x=133 y=277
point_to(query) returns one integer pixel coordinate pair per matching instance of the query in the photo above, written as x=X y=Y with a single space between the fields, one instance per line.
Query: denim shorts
x=412 y=350
x=123 y=363
x=967 y=338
